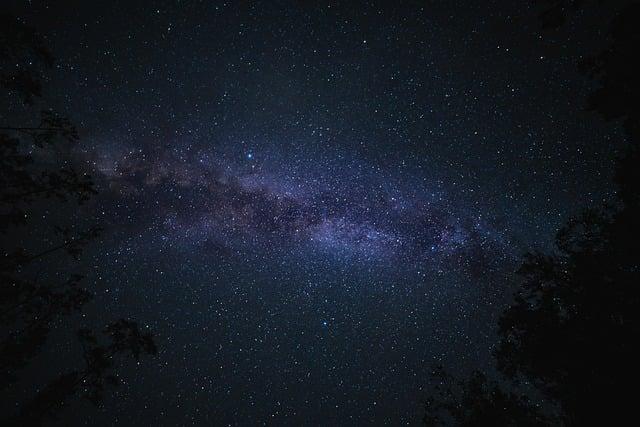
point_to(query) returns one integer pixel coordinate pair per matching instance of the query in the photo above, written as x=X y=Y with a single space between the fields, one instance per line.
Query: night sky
x=311 y=203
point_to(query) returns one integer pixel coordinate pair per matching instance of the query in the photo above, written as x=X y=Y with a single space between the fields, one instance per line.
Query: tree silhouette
x=478 y=402
x=571 y=331
x=124 y=338
x=23 y=54
x=37 y=170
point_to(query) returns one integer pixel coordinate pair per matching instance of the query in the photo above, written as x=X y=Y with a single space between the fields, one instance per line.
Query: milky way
x=346 y=210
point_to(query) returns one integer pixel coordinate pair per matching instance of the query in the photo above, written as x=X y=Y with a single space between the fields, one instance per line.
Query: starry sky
x=311 y=203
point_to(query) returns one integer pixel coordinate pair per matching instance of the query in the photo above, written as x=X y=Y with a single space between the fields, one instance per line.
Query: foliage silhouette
x=25 y=51
x=124 y=338
x=572 y=327
x=477 y=402
x=37 y=170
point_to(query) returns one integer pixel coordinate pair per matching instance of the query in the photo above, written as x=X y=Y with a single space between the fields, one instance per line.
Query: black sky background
x=312 y=203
